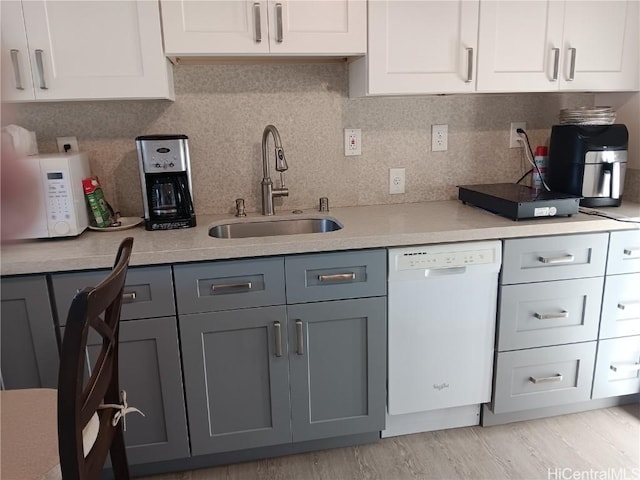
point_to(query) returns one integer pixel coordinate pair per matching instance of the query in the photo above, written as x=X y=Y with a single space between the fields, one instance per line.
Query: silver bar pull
x=278 y=336
x=16 y=68
x=554 y=379
x=469 y=65
x=40 y=65
x=551 y=316
x=230 y=287
x=257 y=27
x=555 y=260
x=628 y=305
x=129 y=296
x=632 y=251
x=279 y=36
x=338 y=277
x=572 y=66
x=625 y=367
x=556 y=63
x=299 y=338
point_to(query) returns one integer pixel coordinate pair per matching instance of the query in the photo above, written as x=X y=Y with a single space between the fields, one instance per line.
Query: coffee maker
x=589 y=161
x=165 y=174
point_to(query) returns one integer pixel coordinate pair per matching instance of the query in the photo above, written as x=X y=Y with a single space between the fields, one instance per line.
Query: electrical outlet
x=352 y=142
x=439 y=140
x=514 y=138
x=396 y=180
x=72 y=143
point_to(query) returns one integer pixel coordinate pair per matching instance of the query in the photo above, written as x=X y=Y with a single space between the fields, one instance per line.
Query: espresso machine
x=165 y=174
x=589 y=161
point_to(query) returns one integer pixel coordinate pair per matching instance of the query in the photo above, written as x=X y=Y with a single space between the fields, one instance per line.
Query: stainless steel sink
x=269 y=228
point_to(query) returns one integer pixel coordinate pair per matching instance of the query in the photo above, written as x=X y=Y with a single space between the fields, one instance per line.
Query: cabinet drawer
x=624 y=252
x=621 y=306
x=549 y=313
x=229 y=284
x=617 y=367
x=543 y=377
x=148 y=291
x=554 y=258
x=332 y=276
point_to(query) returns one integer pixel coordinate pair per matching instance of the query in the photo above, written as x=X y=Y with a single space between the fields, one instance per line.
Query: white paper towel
x=24 y=141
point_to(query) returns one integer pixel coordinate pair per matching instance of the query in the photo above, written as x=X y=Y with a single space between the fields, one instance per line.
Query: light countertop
x=364 y=227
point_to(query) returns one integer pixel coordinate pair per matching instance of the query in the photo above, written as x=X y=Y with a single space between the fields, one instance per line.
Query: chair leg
x=119 y=456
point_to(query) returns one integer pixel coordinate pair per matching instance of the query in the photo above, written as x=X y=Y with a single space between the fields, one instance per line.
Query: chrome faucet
x=268 y=192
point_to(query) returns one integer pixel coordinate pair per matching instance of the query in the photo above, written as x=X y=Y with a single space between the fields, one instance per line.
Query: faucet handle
x=240 y=208
x=324 y=204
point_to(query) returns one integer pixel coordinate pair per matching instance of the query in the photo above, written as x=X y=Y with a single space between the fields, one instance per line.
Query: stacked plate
x=587 y=116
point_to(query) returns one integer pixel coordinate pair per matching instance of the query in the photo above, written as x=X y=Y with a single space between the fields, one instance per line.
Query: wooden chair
x=87 y=412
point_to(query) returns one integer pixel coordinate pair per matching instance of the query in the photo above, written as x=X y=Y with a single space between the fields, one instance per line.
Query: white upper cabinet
x=72 y=50
x=247 y=28
x=418 y=47
x=556 y=45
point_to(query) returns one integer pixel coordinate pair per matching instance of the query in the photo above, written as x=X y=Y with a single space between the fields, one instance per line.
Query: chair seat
x=29 y=428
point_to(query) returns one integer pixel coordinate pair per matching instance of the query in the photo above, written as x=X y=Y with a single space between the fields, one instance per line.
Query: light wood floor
x=596 y=445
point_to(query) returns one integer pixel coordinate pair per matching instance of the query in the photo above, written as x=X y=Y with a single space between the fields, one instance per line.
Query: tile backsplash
x=224 y=109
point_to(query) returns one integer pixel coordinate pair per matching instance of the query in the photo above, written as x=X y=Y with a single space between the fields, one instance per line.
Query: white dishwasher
x=442 y=316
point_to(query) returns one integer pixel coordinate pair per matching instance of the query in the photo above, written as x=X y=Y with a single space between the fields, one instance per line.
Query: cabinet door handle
x=572 y=65
x=279 y=36
x=551 y=316
x=278 y=336
x=230 y=287
x=632 y=252
x=555 y=260
x=625 y=367
x=16 y=68
x=628 y=305
x=129 y=296
x=469 y=65
x=337 y=277
x=256 y=23
x=299 y=338
x=40 y=65
x=556 y=63
x=554 y=379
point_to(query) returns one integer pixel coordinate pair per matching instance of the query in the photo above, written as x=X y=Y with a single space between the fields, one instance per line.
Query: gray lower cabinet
x=149 y=363
x=236 y=374
x=29 y=355
x=337 y=355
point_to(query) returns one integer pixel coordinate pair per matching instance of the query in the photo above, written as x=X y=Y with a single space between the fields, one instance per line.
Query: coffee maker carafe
x=165 y=174
x=589 y=161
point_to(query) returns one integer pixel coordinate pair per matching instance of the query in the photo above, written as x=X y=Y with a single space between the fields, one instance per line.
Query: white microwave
x=62 y=210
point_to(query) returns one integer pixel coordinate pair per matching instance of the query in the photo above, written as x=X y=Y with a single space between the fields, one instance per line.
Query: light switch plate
x=352 y=142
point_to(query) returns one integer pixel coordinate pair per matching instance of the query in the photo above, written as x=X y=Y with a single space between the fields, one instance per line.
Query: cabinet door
x=337 y=355
x=16 y=69
x=520 y=43
x=97 y=49
x=215 y=27
x=149 y=362
x=606 y=42
x=236 y=379
x=617 y=367
x=333 y=27
x=28 y=341
x=422 y=46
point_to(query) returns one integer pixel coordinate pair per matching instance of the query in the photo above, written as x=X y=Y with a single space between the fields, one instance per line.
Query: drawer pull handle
x=632 y=251
x=129 y=296
x=299 y=338
x=230 y=287
x=629 y=305
x=625 y=367
x=338 y=277
x=278 y=336
x=553 y=379
x=555 y=260
x=256 y=23
x=551 y=316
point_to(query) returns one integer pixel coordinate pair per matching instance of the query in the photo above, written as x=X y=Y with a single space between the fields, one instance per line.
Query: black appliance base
x=600 y=202
x=154 y=225
x=518 y=202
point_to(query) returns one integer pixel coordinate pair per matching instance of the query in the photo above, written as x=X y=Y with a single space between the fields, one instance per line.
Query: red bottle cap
x=541 y=151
